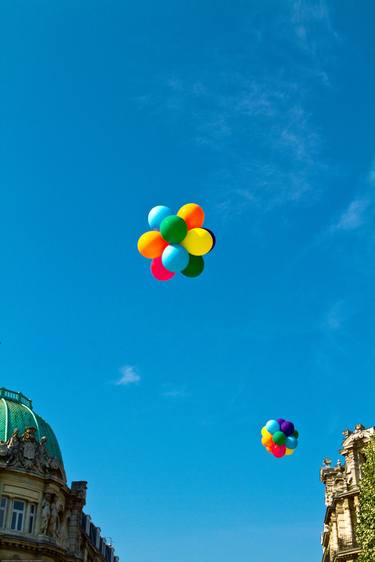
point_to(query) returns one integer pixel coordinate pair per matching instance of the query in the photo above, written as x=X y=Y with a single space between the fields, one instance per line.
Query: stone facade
x=342 y=497
x=41 y=517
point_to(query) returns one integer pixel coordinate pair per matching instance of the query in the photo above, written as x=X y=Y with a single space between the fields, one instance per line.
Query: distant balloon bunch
x=177 y=242
x=279 y=437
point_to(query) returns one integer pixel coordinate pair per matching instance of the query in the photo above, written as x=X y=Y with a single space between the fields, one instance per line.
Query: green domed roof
x=16 y=411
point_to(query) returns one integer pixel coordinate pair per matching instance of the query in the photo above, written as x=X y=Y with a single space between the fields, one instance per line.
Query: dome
x=16 y=411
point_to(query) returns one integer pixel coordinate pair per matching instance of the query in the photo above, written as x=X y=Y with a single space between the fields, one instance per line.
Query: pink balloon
x=278 y=450
x=159 y=271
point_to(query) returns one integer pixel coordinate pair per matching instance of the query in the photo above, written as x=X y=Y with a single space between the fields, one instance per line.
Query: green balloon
x=296 y=434
x=173 y=229
x=279 y=438
x=194 y=267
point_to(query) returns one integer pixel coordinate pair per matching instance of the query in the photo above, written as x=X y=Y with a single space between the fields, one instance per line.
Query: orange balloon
x=192 y=214
x=267 y=446
x=151 y=244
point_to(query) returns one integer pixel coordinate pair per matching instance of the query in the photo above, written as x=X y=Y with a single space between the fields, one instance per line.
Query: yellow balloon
x=289 y=451
x=266 y=440
x=264 y=431
x=198 y=242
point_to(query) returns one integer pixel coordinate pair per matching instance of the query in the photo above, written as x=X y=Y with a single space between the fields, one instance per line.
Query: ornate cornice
x=346 y=555
x=41 y=546
x=358 y=437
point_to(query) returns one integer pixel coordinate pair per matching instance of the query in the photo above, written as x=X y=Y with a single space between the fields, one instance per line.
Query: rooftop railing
x=16 y=397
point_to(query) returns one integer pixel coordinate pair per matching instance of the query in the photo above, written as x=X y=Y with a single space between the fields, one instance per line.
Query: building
x=342 y=497
x=41 y=517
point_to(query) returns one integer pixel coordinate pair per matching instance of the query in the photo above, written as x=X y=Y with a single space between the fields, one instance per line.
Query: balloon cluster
x=279 y=437
x=177 y=242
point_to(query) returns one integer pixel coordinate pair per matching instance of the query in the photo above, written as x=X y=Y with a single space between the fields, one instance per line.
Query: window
x=32 y=514
x=17 y=515
x=3 y=511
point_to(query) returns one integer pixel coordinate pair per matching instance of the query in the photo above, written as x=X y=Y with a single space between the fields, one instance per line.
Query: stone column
x=348 y=523
x=77 y=499
x=355 y=515
x=333 y=539
x=343 y=531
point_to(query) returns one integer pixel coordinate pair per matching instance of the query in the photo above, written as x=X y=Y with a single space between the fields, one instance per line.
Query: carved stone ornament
x=28 y=453
x=339 y=485
x=52 y=517
x=45 y=514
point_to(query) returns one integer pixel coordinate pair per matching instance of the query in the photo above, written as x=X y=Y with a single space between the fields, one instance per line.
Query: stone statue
x=14 y=439
x=45 y=515
x=54 y=522
x=27 y=452
x=14 y=448
x=349 y=475
x=29 y=447
x=53 y=463
x=42 y=459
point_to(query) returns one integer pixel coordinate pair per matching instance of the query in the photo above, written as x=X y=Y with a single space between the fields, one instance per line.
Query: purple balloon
x=287 y=427
x=280 y=420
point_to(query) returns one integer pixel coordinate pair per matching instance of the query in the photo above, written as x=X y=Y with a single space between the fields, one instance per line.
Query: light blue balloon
x=175 y=258
x=157 y=215
x=272 y=426
x=291 y=442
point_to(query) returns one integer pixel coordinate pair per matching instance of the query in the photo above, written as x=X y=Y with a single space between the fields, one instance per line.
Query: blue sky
x=263 y=112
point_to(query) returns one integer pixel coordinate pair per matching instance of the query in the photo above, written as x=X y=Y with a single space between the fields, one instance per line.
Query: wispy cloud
x=128 y=376
x=176 y=393
x=312 y=24
x=354 y=216
x=260 y=122
x=359 y=213
x=334 y=318
x=270 y=146
x=371 y=175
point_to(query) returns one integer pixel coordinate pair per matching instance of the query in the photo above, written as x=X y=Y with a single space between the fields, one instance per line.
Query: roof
x=16 y=412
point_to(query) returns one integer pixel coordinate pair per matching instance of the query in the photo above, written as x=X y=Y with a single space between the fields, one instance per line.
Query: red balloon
x=278 y=451
x=159 y=271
